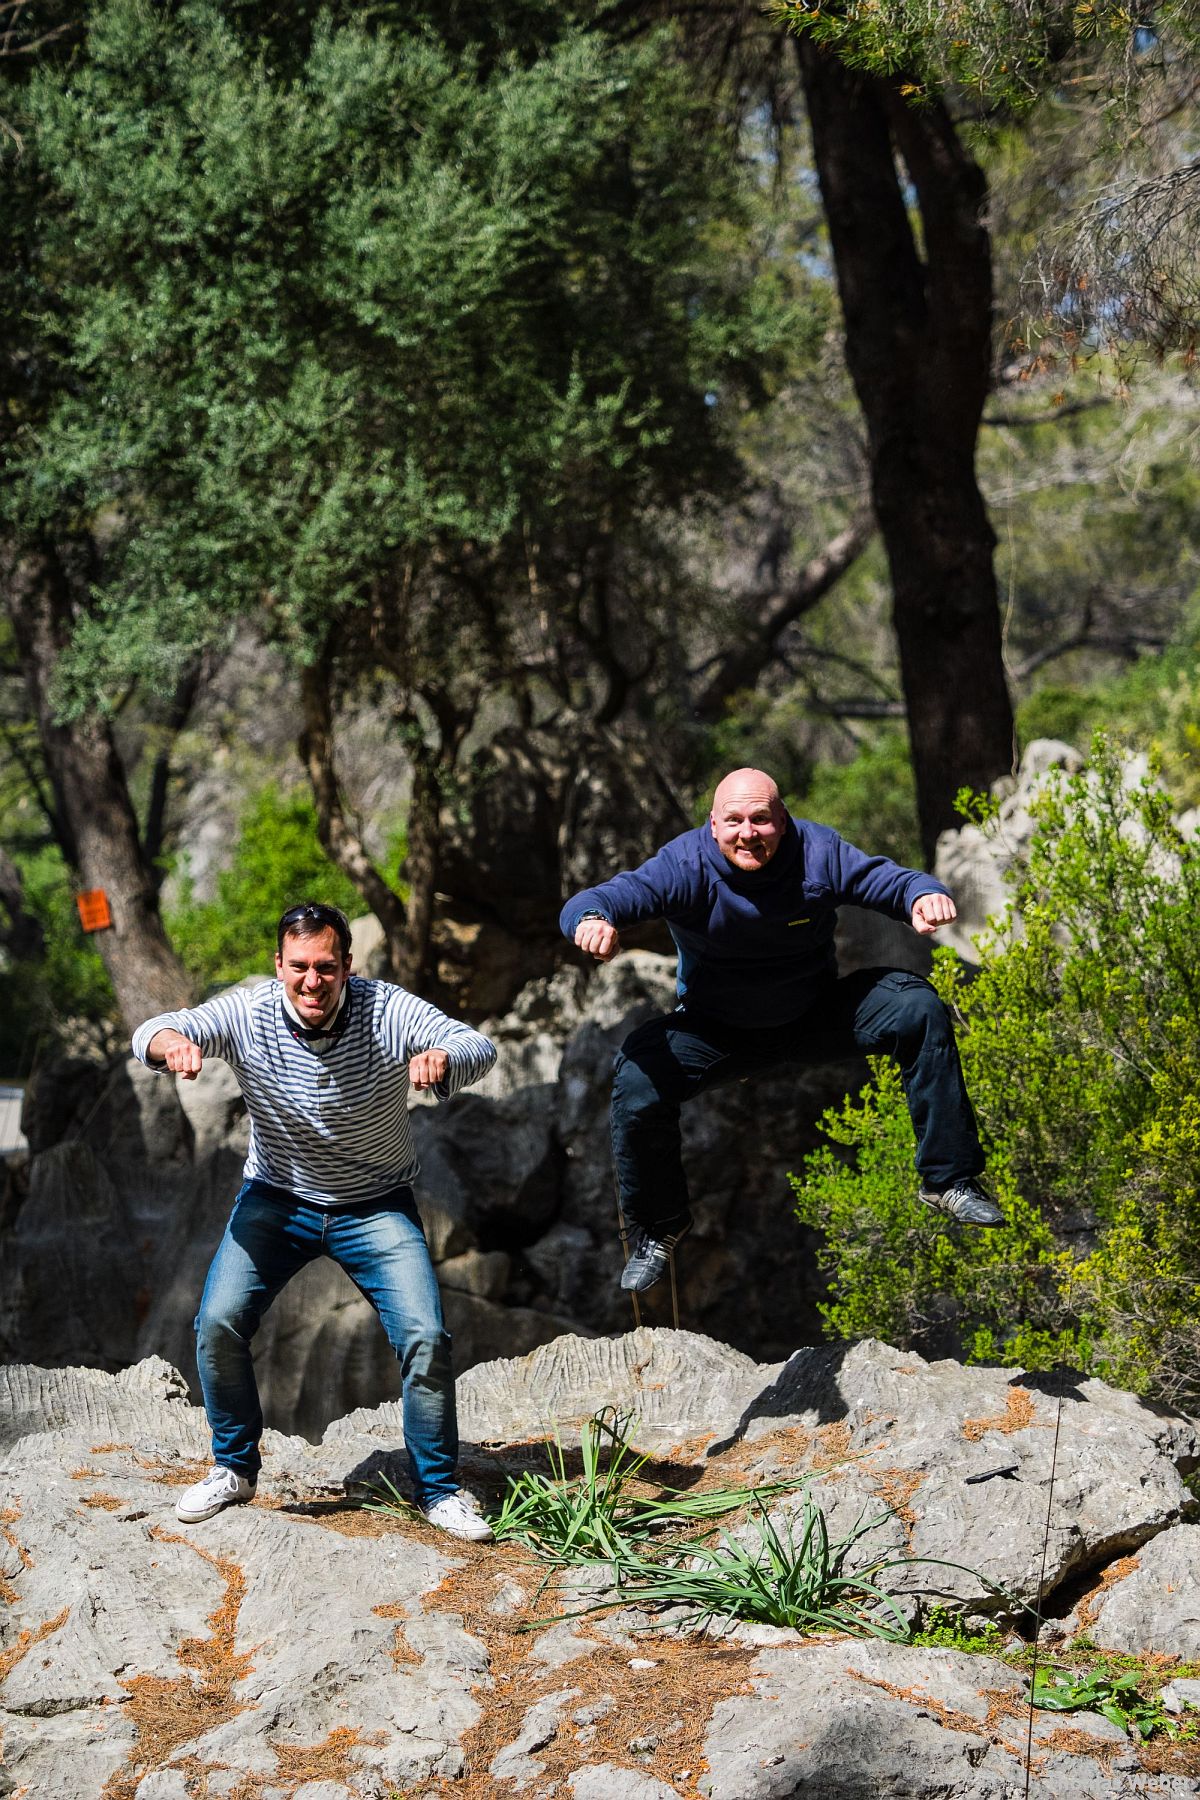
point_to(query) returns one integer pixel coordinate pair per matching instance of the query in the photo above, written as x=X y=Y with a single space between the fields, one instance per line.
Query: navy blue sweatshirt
x=754 y=946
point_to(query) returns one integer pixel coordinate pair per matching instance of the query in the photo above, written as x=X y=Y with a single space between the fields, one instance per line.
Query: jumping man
x=751 y=901
x=325 y=1061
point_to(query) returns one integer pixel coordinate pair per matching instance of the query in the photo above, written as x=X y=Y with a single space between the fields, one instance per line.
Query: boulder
x=307 y=1649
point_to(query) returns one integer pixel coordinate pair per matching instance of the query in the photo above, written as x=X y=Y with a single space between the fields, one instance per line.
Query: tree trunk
x=918 y=347
x=340 y=842
x=100 y=833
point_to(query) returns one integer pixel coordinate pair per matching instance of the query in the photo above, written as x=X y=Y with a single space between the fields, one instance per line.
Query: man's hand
x=179 y=1054
x=427 y=1068
x=931 y=910
x=596 y=937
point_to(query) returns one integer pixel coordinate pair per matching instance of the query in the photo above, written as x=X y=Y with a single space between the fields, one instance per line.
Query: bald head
x=748 y=819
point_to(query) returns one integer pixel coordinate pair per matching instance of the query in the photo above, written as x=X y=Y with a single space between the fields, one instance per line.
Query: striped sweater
x=328 y=1120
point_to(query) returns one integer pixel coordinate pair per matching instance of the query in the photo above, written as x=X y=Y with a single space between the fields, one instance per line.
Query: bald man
x=751 y=901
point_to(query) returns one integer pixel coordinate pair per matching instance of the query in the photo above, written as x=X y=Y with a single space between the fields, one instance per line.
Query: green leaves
x=1115 y=1697
x=328 y=308
x=1080 y=1045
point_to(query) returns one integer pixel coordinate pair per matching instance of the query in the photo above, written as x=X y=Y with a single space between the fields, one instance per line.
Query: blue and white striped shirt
x=328 y=1119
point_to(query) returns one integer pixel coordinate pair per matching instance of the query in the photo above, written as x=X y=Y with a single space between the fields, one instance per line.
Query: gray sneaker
x=220 y=1488
x=650 y=1258
x=966 y=1200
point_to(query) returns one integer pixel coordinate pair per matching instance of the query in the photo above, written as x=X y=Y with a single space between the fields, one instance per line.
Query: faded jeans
x=270 y=1237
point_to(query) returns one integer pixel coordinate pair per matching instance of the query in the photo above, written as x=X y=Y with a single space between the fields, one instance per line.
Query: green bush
x=70 y=983
x=277 y=860
x=1080 y=1038
x=871 y=800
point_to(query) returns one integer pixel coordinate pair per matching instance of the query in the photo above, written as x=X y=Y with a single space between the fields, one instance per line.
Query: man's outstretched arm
x=663 y=885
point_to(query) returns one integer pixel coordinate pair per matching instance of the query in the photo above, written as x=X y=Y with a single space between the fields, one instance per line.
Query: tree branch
x=740 y=666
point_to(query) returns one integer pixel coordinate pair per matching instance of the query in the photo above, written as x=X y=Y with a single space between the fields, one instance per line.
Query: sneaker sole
x=198 y=1518
x=978 y=1224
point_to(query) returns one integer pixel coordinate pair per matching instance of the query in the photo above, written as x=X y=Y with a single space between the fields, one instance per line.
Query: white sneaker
x=459 y=1515
x=219 y=1488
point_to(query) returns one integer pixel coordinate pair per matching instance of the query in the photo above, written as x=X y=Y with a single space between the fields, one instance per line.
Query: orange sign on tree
x=93 y=910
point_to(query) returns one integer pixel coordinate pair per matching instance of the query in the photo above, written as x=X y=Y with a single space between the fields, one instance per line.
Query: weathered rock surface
x=302 y=1649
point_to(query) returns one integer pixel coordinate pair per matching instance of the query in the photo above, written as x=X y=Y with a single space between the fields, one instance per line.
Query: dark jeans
x=381 y=1246
x=672 y=1059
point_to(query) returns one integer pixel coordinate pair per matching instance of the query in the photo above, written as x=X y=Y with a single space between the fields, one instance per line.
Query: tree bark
x=100 y=836
x=918 y=346
x=340 y=842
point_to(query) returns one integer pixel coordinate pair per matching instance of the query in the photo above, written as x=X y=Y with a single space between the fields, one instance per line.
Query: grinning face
x=748 y=819
x=313 y=972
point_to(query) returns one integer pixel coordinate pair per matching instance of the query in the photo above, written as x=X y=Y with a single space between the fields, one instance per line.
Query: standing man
x=324 y=1061
x=751 y=901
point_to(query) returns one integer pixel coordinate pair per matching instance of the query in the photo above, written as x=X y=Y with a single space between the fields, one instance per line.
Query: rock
x=1150 y=1600
x=605 y=1781
x=865 y=1721
x=73 y=1269
x=973 y=864
x=1180 y=1695
x=334 y=1645
x=483 y=1273
x=213 y=1106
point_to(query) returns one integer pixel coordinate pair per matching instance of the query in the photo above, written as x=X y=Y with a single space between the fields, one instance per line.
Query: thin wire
x=624 y=1231
x=1041 y=1584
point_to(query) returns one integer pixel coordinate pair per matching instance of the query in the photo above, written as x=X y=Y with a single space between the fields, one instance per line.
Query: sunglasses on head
x=312 y=916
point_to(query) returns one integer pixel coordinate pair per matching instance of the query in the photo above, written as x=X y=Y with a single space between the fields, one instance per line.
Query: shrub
x=69 y=985
x=1080 y=1038
x=277 y=860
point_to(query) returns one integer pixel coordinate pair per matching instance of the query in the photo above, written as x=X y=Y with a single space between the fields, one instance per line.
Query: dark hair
x=310 y=917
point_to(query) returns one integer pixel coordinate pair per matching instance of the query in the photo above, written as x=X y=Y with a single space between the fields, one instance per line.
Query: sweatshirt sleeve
x=218 y=1027
x=414 y=1025
x=657 y=889
x=876 y=881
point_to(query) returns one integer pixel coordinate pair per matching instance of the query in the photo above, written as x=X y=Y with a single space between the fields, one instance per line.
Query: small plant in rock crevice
x=781 y=1568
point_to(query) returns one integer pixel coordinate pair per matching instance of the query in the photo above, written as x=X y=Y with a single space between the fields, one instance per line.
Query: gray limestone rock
x=877 y=1721
x=614 y=1781
x=325 y=1633
x=1151 y=1600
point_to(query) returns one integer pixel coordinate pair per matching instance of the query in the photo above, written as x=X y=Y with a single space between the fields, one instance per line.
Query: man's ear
x=712 y=823
x=279 y=965
x=346 y=961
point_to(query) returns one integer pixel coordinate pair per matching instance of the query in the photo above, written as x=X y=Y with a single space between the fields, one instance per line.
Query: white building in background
x=11 y=1136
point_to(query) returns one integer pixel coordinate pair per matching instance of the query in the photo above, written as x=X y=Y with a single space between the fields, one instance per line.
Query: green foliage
x=1155 y=702
x=1115 y=1697
x=1081 y=1047
x=947 y=1630
x=1002 y=51
x=277 y=860
x=70 y=984
x=337 y=309
x=784 y=1570
x=871 y=800
x=596 y=1516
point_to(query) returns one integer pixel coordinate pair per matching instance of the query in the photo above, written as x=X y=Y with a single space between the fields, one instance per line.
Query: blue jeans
x=271 y=1235
x=671 y=1059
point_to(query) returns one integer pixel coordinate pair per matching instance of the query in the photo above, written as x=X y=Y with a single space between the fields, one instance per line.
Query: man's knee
x=222 y=1328
x=916 y=1010
x=427 y=1358
x=633 y=1090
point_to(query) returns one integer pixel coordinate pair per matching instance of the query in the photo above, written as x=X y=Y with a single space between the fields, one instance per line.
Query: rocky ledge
x=305 y=1649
